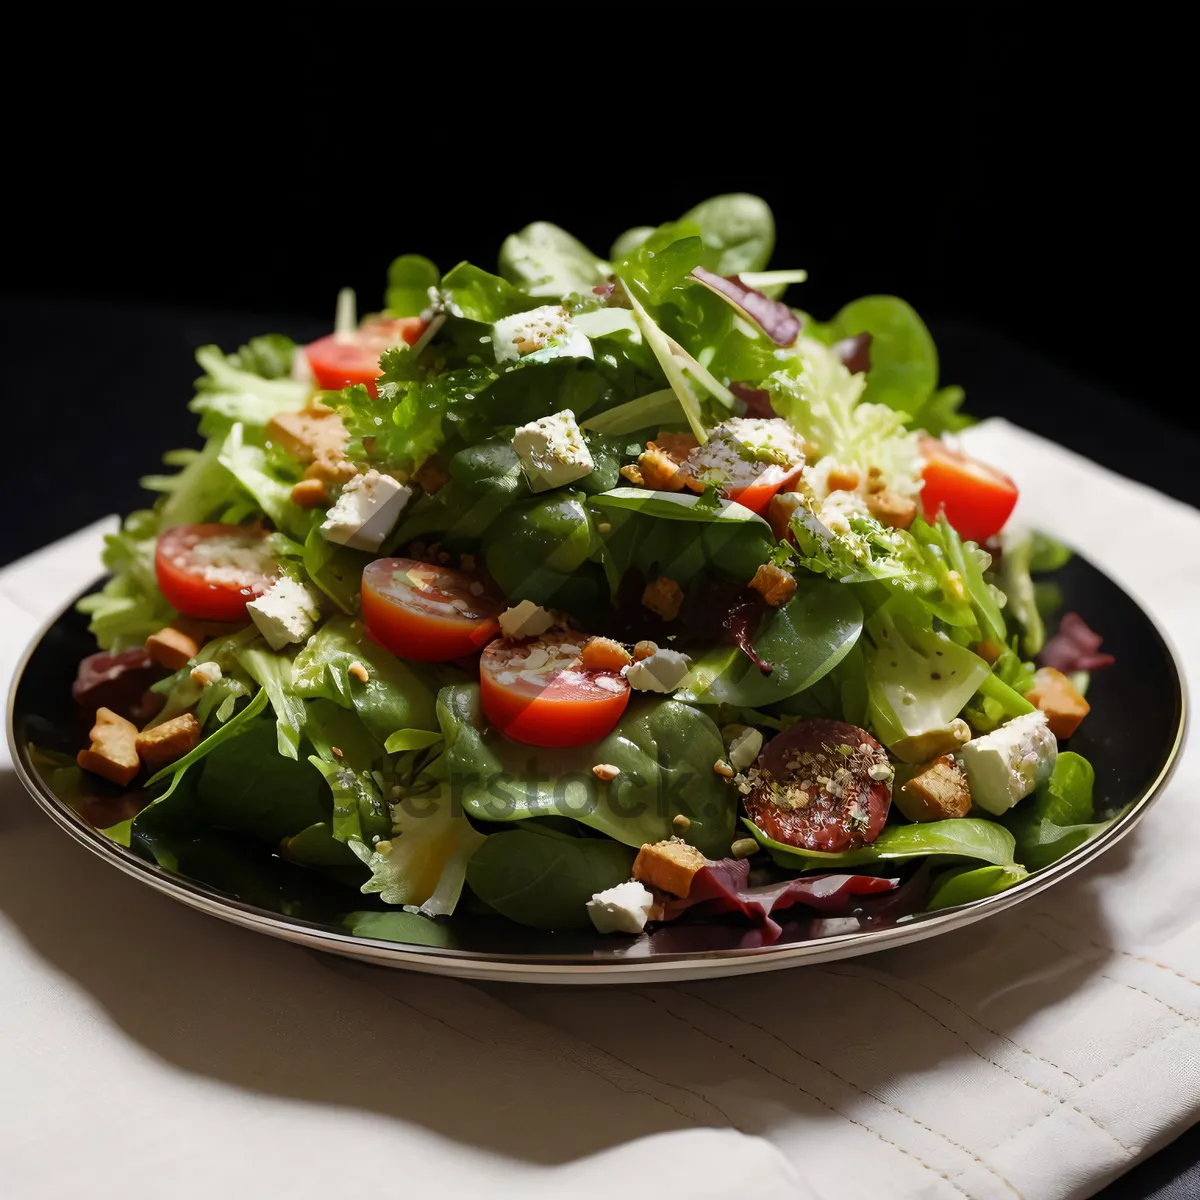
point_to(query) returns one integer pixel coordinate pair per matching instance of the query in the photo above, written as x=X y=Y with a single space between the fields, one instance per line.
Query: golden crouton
x=171 y=648
x=310 y=493
x=113 y=752
x=774 y=584
x=431 y=477
x=660 y=471
x=664 y=597
x=989 y=651
x=171 y=740
x=677 y=445
x=892 y=509
x=603 y=654
x=633 y=474
x=1059 y=699
x=921 y=747
x=875 y=480
x=309 y=433
x=668 y=866
x=842 y=479
x=935 y=791
x=779 y=513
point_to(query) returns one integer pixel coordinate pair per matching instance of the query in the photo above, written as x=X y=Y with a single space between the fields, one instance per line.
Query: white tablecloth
x=149 y=1051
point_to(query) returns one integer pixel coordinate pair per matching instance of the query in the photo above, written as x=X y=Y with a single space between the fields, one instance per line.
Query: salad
x=592 y=593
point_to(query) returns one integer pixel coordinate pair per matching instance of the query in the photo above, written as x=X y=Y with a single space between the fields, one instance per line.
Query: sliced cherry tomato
x=425 y=612
x=211 y=571
x=538 y=692
x=977 y=499
x=758 y=495
x=342 y=359
x=816 y=790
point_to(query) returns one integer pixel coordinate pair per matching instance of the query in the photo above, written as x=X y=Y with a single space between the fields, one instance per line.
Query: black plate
x=1131 y=737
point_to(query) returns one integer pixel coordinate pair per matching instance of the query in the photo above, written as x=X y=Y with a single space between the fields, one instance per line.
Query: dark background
x=210 y=174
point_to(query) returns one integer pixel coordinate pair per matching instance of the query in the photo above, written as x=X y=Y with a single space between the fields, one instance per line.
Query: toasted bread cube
x=633 y=474
x=309 y=434
x=113 y=752
x=664 y=597
x=660 y=471
x=774 y=584
x=310 y=493
x=936 y=791
x=779 y=513
x=431 y=477
x=1059 y=699
x=171 y=740
x=892 y=509
x=842 y=479
x=603 y=654
x=668 y=866
x=171 y=648
x=989 y=650
x=677 y=445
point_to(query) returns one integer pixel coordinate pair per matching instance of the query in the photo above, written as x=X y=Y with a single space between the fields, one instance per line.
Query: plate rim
x=580 y=968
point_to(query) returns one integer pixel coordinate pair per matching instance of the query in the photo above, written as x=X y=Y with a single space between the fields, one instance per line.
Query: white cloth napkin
x=150 y=1051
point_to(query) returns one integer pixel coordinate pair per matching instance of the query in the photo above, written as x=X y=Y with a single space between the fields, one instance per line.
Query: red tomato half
x=758 y=495
x=342 y=359
x=538 y=692
x=427 y=613
x=816 y=789
x=211 y=571
x=977 y=499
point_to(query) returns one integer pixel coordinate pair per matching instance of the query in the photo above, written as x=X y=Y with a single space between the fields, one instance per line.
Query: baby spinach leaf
x=738 y=231
x=959 y=837
x=904 y=362
x=1058 y=816
x=316 y=846
x=336 y=570
x=393 y=696
x=961 y=885
x=246 y=785
x=546 y=261
x=410 y=739
x=664 y=751
x=409 y=279
x=479 y=296
x=804 y=640
x=543 y=881
x=408 y=928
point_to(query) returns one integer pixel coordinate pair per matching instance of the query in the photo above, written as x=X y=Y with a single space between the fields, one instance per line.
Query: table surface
x=132 y=368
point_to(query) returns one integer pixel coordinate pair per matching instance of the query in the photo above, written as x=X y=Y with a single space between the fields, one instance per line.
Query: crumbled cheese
x=662 y=671
x=744 y=748
x=1009 y=763
x=286 y=613
x=525 y=620
x=366 y=511
x=621 y=909
x=205 y=673
x=552 y=451
x=546 y=331
x=747 y=450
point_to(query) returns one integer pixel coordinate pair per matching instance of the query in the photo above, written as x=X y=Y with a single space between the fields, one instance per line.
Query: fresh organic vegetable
x=484 y=605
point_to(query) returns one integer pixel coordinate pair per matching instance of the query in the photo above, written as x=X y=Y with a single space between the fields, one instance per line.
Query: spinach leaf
x=546 y=261
x=407 y=928
x=738 y=231
x=479 y=296
x=1058 y=816
x=664 y=749
x=336 y=570
x=393 y=696
x=958 y=837
x=804 y=640
x=316 y=846
x=246 y=785
x=904 y=361
x=543 y=881
x=409 y=279
x=961 y=885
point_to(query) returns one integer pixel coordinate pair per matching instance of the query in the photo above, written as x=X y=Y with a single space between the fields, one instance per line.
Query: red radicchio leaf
x=119 y=682
x=773 y=317
x=742 y=623
x=757 y=400
x=721 y=887
x=1075 y=647
x=855 y=353
x=604 y=289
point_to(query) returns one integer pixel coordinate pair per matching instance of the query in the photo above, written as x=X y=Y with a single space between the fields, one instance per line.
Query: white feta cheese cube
x=621 y=909
x=525 y=620
x=366 y=511
x=205 y=673
x=286 y=613
x=1009 y=763
x=552 y=451
x=663 y=671
x=541 y=333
